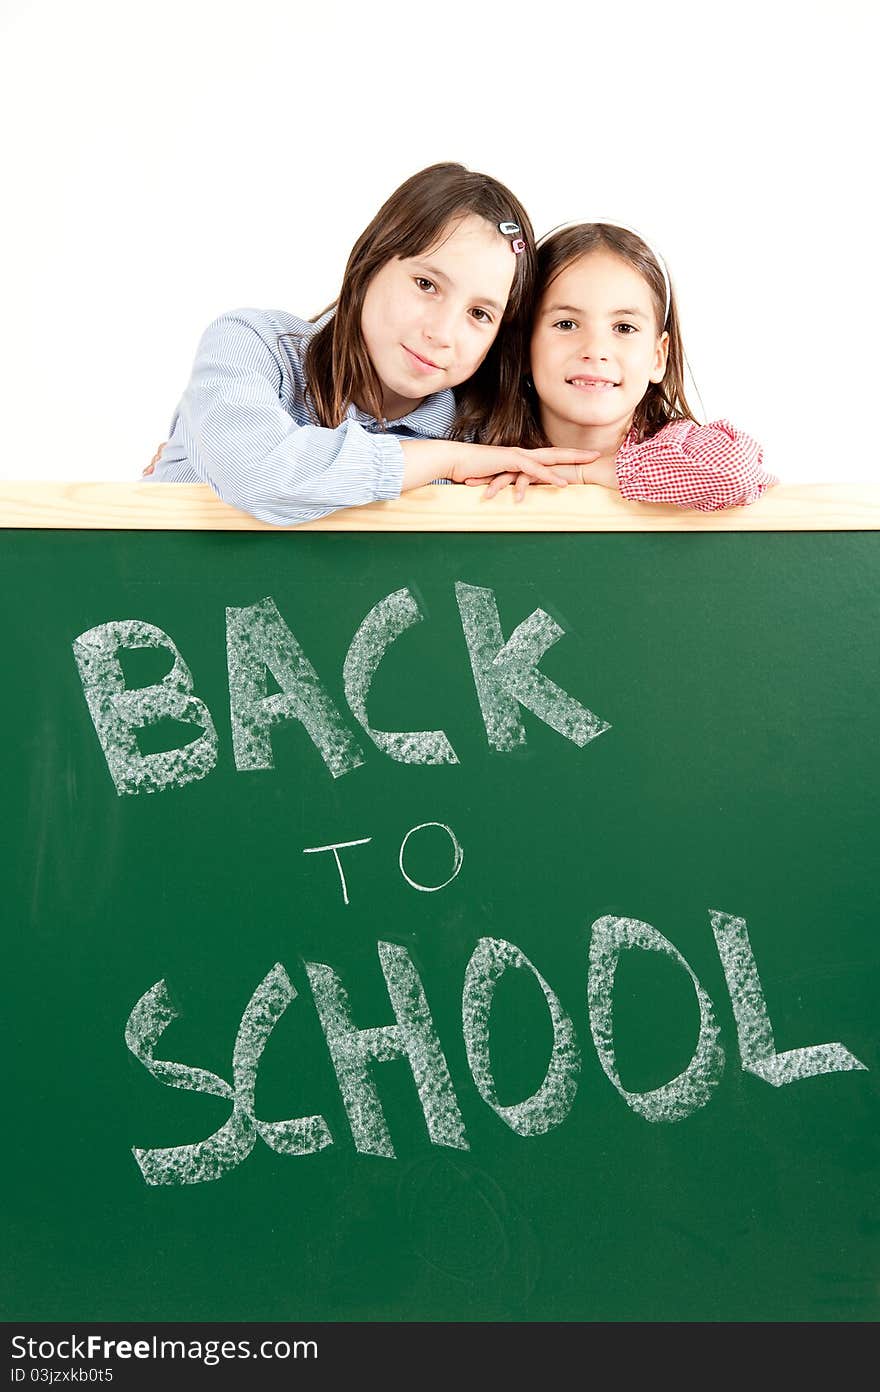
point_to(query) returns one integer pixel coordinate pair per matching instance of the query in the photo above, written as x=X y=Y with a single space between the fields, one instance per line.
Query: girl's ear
x=658 y=371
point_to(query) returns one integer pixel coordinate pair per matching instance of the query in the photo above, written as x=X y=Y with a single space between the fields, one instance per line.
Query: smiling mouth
x=424 y=363
x=592 y=383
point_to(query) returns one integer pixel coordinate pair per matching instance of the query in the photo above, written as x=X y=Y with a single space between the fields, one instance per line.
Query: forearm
x=235 y=433
x=427 y=460
x=303 y=474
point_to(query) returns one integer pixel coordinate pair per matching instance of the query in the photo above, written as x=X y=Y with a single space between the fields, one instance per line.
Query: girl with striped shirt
x=607 y=373
x=412 y=376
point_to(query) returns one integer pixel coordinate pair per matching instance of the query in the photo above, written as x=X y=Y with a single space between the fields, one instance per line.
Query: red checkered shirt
x=693 y=466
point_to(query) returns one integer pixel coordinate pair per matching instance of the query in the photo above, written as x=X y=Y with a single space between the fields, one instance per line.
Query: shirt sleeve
x=240 y=439
x=694 y=466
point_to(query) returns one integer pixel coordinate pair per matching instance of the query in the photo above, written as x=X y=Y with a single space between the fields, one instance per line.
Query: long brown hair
x=664 y=401
x=337 y=366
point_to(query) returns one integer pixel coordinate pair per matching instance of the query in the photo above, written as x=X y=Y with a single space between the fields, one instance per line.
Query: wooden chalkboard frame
x=194 y=507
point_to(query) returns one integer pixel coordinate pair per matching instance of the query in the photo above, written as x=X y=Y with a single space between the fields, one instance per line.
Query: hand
x=599 y=471
x=155 y=459
x=520 y=482
x=474 y=463
x=424 y=461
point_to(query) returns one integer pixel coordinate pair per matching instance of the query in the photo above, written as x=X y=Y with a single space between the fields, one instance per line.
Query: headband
x=625 y=227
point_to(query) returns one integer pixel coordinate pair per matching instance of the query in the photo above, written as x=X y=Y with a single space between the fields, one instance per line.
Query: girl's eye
x=424 y=283
x=482 y=316
x=626 y=329
x=565 y=324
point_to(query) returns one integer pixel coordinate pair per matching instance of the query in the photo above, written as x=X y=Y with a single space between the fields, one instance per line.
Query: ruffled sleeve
x=694 y=466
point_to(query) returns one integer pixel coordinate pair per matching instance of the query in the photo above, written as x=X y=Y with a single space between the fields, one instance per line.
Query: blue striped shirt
x=243 y=427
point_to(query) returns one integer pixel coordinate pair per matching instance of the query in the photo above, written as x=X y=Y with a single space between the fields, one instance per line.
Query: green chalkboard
x=625 y=1042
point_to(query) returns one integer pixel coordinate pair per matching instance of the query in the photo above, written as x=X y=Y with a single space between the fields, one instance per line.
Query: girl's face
x=428 y=321
x=595 y=346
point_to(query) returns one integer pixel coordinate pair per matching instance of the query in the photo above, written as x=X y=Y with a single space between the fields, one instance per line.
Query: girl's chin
x=603 y=420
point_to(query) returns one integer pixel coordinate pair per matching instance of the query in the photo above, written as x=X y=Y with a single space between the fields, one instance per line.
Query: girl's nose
x=594 y=349
x=437 y=327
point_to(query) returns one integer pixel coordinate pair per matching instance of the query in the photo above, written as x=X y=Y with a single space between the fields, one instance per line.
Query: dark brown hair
x=664 y=401
x=337 y=366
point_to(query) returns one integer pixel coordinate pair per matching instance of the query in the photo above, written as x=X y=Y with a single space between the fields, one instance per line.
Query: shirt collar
x=433 y=417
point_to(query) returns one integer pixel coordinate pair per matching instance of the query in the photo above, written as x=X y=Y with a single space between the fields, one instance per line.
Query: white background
x=166 y=163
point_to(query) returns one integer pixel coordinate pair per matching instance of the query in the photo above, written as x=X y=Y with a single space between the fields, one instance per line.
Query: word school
x=413 y=1035
x=259 y=644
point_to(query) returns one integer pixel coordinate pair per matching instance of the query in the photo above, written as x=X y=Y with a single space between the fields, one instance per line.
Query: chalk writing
x=385 y=622
x=457 y=852
x=756 y=1043
x=234 y=1141
x=413 y=1035
x=506 y=674
x=336 y=847
x=260 y=645
x=552 y=1102
x=118 y=714
x=259 y=642
x=353 y=1050
x=692 y=1088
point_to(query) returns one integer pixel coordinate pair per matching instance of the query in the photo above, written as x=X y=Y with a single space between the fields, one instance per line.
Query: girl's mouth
x=592 y=383
x=421 y=364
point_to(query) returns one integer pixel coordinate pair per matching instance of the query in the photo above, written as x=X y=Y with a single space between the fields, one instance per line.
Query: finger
x=499 y=482
x=542 y=473
x=494 y=488
x=521 y=487
x=149 y=469
x=567 y=456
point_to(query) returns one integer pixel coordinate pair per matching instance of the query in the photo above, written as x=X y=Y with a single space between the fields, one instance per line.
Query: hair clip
x=510 y=229
x=518 y=247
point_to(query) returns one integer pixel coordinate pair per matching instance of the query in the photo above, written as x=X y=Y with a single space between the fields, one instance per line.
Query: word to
x=259 y=644
x=337 y=846
x=414 y=1036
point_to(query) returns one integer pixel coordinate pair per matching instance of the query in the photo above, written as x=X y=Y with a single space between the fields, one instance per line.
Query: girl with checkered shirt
x=607 y=373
